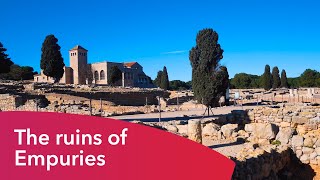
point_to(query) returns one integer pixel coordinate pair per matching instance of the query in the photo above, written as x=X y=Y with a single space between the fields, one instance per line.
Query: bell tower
x=79 y=63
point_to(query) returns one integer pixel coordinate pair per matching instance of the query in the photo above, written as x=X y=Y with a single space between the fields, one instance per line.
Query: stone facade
x=80 y=72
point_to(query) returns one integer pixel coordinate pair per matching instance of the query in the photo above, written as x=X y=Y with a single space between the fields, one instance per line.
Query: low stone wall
x=288 y=114
x=261 y=164
x=260 y=157
x=9 y=102
x=120 y=98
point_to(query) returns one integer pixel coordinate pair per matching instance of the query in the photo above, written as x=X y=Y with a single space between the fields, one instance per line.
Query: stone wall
x=120 y=98
x=291 y=115
x=294 y=125
x=261 y=164
x=9 y=102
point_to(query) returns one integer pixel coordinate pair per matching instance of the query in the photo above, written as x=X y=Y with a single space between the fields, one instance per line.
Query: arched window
x=96 y=75
x=102 y=75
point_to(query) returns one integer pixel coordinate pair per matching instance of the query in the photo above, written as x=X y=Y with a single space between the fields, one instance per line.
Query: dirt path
x=225 y=147
x=181 y=115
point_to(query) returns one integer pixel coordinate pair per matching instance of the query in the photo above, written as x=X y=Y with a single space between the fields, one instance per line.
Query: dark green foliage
x=309 y=78
x=157 y=81
x=189 y=84
x=224 y=78
x=5 y=61
x=293 y=82
x=19 y=73
x=11 y=71
x=208 y=81
x=275 y=78
x=51 y=59
x=114 y=75
x=284 y=79
x=164 y=82
x=266 y=78
x=179 y=85
x=245 y=81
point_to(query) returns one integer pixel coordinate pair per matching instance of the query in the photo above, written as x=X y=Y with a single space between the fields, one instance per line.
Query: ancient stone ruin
x=276 y=141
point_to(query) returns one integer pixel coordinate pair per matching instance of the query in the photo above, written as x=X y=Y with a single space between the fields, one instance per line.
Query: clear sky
x=157 y=33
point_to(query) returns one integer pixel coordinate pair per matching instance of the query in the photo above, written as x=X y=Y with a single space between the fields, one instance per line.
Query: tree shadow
x=273 y=165
x=166 y=119
x=238 y=142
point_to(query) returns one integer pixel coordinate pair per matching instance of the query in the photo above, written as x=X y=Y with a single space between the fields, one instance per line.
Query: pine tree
x=309 y=78
x=284 y=79
x=275 y=78
x=5 y=61
x=51 y=59
x=164 y=83
x=208 y=79
x=266 y=78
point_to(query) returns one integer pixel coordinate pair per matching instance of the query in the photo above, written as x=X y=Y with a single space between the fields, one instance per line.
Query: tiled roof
x=130 y=64
x=78 y=47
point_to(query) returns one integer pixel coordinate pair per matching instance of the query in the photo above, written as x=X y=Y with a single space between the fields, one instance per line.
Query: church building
x=80 y=72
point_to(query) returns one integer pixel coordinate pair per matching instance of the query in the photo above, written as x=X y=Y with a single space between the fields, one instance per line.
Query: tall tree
x=207 y=76
x=5 y=61
x=51 y=59
x=157 y=81
x=114 y=75
x=284 y=79
x=179 y=85
x=164 y=83
x=275 y=78
x=266 y=78
x=224 y=79
x=242 y=81
x=308 y=78
x=21 y=72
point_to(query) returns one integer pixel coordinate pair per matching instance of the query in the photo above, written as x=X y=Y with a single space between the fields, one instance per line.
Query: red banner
x=55 y=146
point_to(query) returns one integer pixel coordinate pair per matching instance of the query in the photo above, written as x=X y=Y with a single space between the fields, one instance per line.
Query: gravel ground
x=180 y=115
x=225 y=147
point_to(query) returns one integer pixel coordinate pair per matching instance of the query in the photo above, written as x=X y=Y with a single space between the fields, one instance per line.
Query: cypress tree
x=164 y=83
x=224 y=79
x=208 y=81
x=51 y=59
x=275 y=78
x=266 y=78
x=284 y=79
x=5 y=61
x=157 y=81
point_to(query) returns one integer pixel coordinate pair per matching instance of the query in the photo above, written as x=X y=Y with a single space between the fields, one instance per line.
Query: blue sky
x=156 y=34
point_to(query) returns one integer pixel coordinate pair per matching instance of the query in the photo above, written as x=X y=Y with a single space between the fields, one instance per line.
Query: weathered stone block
x=299 y=120
x=195 y=131
x=210 y=130
x=307 y=150
x=228 y=129
x=308 y=142
x=262 y=130
x=284 y=135
x=297 y=141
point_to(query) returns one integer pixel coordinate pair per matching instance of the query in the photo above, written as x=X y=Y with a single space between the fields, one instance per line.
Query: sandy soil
x=225 y=147
x=195 y=113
